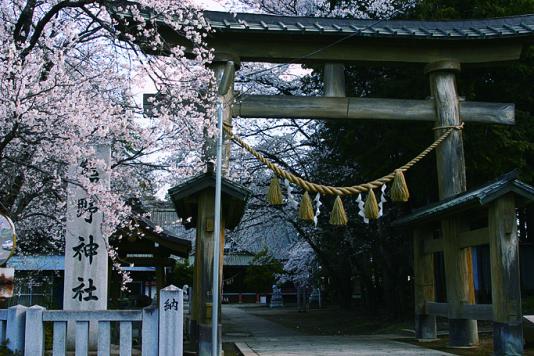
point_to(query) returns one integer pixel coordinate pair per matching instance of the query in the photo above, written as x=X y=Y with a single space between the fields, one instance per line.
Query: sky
x=210 y=5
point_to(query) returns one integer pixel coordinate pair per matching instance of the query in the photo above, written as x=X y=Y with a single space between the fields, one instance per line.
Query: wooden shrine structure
x=153 y=249
x=482 y=216
x=442 y=48
x=194 y=203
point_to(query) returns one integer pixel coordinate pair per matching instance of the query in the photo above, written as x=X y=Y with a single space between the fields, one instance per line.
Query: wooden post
x=505 y=285
x=451 y=181
x=194 y=297
x=160 y=280
x=226 y=94
x=200 y=328
x=204 y=266
x=424 y=285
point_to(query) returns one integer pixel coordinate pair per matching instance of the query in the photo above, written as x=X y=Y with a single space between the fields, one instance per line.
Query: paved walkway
x=256 y=336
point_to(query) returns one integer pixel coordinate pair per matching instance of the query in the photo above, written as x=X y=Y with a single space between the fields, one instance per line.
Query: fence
x=22 y=328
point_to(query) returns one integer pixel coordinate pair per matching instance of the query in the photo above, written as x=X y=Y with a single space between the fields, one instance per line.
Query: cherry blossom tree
x=290 y=144
x=69 y=70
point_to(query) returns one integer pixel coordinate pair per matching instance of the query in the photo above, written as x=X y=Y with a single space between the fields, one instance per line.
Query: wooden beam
x=477 y=311
x=465 y=239
x=282 y=49
x=270 y=106
x=433 y=245
x=151 y=262
x=473 y=238
x=437 y=309
x=467 y=311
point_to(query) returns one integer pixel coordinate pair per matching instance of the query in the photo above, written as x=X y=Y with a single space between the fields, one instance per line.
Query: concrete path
x=255 y=336
x=331 y=346
x=239 y=323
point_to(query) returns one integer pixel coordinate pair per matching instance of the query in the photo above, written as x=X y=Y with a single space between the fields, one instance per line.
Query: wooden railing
x=467 y=311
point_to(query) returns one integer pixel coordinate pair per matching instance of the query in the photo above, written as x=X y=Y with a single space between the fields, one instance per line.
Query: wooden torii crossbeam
x=442 y=46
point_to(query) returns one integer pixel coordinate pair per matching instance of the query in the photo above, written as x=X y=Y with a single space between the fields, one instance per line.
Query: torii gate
x=442 y=46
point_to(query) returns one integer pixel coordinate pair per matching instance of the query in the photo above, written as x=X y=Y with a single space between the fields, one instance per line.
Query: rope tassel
x=306 y=208
x=399 y=189
x=338 y=215
x=371 y=206
x=274 y=194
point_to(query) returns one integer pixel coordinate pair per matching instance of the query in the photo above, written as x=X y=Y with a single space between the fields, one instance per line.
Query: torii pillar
x=451 y=181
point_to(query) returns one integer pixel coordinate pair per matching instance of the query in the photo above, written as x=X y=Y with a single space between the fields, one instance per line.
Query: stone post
x=34 y=334
x=16 y=322
x=150 y=331
x=171 y=321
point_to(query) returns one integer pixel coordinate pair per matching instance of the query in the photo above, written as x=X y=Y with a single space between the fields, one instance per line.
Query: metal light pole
x=217 y=234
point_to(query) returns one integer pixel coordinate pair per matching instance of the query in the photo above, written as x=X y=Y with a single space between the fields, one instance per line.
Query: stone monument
x=86 y=255
x=314 y=301
x=276 y=299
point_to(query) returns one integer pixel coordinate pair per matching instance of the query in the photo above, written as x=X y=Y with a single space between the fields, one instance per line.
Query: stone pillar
x=34 y=334
x=86 y=255
x=171 y=321
x=150 y=331
x=505 y=283
x=451 y=181
x=15 y=330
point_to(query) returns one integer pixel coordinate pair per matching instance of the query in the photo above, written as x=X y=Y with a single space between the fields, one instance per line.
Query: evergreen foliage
x=355 y=151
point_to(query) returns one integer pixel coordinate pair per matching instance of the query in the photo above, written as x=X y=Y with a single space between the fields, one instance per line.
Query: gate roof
x=514 y=26
x=472 y=199
x=266 y=38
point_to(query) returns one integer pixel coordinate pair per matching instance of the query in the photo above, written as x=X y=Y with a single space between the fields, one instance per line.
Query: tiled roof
x=476 y=197
x=53 y=263
x=515 y=26
x=234 y=199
